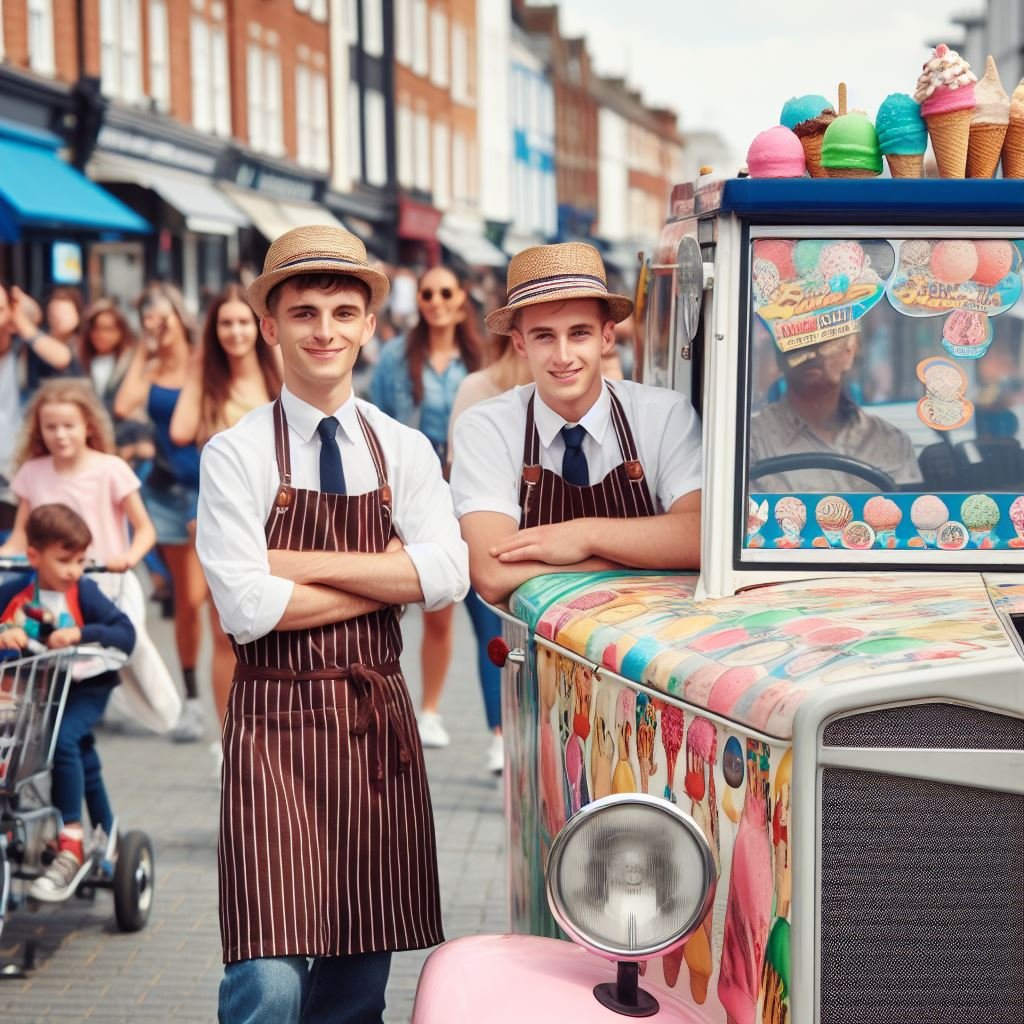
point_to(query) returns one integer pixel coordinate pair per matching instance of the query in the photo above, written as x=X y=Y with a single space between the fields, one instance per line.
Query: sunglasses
x=825 y=348
x=428 y=293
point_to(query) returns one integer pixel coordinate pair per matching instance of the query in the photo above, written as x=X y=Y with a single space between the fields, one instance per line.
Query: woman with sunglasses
x=416 y=379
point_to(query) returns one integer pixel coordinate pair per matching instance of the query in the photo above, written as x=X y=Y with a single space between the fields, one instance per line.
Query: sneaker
x=61 y=878
x=191 y=724
x=432 y=731
x=496 y=756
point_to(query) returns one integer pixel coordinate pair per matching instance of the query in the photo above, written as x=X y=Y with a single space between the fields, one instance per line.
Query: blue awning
x=39 y=190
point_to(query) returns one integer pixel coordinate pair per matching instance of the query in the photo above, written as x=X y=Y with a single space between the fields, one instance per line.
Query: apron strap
x=373 y=701
x=282 y=449
x=531 y=448
x=624 y=435
x=377 y=454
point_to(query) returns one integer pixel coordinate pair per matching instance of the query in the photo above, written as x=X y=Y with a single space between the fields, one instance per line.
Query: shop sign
x=161 y=151
x=273 y=183
x=66 y=263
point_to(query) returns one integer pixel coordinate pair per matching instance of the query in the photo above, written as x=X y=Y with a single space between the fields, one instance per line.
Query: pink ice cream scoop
x=929 y=512
x=954 y=261
x=776 y=153
x=882 y=514
x=966 y=328
x=946 y=83
x=1017 y=515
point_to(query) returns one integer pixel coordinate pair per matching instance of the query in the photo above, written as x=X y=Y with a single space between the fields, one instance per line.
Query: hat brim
x=376 y=281
x=501 y=320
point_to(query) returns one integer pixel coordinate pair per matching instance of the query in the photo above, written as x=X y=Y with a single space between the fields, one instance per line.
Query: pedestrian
x=171 y=489
x=58 y=539
x=508 y=370
x=415 y=382
x=543 y=474
x=232 y=371
x=319 y=517
x=106 y=347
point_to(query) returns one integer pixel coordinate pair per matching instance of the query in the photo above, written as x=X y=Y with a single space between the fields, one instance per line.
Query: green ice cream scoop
x=851 y=143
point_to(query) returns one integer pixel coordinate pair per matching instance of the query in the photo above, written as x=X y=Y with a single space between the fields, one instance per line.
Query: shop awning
x=467 y=241
x=516 y=241
x=205 y=210
x=273 y=217
x=39 y=190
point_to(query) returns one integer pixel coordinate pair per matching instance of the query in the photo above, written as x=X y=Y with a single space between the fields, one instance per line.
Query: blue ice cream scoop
x=901 y=129
x=802 y=108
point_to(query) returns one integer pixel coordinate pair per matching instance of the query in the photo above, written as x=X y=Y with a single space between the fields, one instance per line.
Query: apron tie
x=367 y=685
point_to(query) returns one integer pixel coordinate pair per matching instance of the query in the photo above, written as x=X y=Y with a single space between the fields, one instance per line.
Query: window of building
x=439 y=47
x=405 y=140
x=254 y=95
x=422 y=151
x=376 y=136
x=221 y=84
x=473 y=176
x=272 y=85
x=442 y=166
x=403 y=32
x=355 y=132
x=321 y=127
x=460 y=64
x=302 y=6
x=373 y=28
x=303 y=115
x=202 y=92
x=263 y=95
x=159 y=58
x=40 y=36
x=352 y=22
x=460 y=168
x=318 y=10
x=421 y=44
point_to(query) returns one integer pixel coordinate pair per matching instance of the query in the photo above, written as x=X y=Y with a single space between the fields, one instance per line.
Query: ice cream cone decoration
x=989 y=124
x=849 y=147
x=1013 y=144
x=902 y=135
x=808 y=117
x=945 y=90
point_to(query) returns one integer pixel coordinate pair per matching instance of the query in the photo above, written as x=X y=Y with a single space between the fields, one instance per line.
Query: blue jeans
x=76 y=765
x=486 y=626
x=294 y=989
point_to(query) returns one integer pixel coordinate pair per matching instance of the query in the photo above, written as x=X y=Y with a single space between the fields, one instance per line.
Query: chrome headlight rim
x=584 y=817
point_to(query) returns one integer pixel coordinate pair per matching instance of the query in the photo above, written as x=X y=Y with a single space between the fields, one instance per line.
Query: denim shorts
x=171 y=510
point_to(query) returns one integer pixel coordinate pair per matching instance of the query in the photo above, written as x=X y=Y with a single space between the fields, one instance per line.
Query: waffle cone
x=984 y=149
x=850 y=172
x=905 y=165
x=812 y=154
x=950 y=133
x=1013 y=150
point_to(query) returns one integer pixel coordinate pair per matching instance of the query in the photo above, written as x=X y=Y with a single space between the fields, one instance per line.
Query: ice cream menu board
x=864 y=522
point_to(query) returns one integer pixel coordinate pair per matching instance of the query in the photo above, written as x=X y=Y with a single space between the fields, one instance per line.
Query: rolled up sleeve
x=425 y=520
x=232 y=548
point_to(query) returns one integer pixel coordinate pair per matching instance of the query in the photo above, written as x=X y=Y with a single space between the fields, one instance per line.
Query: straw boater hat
x=555 y=273
x=316 y=249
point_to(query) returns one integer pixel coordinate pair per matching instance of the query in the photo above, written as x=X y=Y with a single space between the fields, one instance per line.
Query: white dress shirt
x=488 y=443
x=239 y=482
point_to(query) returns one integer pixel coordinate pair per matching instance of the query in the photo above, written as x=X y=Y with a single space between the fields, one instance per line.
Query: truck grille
x=922 y=882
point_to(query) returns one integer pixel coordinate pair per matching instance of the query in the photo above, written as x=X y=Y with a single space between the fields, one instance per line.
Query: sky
x=731 y=70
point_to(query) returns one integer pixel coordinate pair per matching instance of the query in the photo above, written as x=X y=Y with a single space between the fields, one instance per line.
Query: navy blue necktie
x=574 y=462
x=332 y=476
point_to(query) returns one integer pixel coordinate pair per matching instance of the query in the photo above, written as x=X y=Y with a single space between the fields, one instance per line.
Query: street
x=87 y=970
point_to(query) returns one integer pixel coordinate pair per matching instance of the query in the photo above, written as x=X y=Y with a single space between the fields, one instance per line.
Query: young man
x=318 y=517
x=543 y=473
x=55 y=606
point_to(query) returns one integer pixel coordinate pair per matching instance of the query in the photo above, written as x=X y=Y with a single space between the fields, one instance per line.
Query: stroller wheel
x=133 y=881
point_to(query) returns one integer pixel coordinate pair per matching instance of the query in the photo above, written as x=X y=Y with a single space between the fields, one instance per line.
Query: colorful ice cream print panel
x=809 y=291
x=935 y=277
x=751 y=658
x=886 y=522
x=736 y=788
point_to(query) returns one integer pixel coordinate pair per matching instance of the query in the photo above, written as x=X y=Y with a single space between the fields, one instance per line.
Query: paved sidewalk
x=87 y=970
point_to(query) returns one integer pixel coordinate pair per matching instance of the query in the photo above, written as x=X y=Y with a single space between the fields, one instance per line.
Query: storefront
x=466 y=245
x=51 y=214
x=418 y=245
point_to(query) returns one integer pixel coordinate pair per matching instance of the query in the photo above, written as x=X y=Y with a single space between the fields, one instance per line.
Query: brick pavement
x=87 y=970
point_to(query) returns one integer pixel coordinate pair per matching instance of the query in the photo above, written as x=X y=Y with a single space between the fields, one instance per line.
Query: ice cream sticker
x=810 y=291
x=935 y=277
x=943 y=406
x=966 y=334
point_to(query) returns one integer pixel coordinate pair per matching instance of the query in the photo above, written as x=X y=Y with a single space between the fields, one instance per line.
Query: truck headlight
x=630 y=876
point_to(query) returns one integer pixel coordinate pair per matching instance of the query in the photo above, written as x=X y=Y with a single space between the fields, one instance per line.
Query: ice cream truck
x=790 y=788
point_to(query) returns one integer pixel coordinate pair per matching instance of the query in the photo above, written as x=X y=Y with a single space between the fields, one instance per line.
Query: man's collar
x=595 y=421
x=304 y=418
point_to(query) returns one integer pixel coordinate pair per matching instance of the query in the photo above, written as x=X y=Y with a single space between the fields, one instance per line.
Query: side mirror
x=689 y=289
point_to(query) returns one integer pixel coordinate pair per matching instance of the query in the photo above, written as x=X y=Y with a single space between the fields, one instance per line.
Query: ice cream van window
x=658 y=330
x=885 y=404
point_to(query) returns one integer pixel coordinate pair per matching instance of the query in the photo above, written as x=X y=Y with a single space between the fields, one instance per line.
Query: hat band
x=340 y=261
x=541 y=286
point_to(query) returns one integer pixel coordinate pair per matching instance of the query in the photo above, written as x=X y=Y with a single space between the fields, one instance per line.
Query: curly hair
x=99 y=431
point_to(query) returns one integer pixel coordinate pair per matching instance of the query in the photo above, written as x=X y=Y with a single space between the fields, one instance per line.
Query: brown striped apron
x=326 y=832
x=545 y=497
